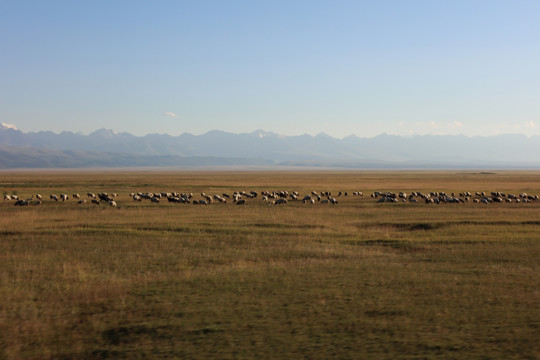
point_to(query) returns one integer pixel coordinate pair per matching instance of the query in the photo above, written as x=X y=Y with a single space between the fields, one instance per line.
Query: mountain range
x=107 y=148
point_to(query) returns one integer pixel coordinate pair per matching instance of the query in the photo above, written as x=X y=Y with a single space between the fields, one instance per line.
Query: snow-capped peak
x=9 y=126
x=105 y=132
x=262 y=134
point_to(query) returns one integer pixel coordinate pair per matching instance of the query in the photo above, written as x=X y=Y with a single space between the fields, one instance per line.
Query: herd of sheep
x=282 y=197
x=463 y=197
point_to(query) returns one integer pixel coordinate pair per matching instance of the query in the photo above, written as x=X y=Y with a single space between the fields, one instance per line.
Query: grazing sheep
x=22 y=203
x=104 y=197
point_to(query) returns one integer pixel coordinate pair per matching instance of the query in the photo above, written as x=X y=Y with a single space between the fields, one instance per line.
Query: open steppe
x=356 y=280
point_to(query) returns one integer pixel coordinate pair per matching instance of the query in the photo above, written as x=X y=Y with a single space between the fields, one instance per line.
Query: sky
x=290 y=67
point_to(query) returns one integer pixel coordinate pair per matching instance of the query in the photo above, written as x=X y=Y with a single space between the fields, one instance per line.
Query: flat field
x=355 y=280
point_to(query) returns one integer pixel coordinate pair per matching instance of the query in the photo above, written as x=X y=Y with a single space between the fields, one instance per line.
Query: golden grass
x=355 y=280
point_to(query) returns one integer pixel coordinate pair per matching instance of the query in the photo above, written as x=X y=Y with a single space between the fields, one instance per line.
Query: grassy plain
x=350 y=281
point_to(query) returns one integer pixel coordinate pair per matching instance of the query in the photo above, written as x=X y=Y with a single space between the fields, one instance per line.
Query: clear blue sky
x=292 y=67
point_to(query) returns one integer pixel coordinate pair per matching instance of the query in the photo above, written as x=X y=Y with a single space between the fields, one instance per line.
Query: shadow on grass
x=425 y=226
x=400 y=245
x=128 y=334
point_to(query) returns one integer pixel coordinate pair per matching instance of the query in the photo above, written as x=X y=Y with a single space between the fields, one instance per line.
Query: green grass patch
x=296 y=281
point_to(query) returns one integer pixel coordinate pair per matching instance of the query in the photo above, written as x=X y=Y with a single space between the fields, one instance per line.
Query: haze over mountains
x=107 y=148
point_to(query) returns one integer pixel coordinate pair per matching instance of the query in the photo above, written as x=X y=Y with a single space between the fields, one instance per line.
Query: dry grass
x=356 y=280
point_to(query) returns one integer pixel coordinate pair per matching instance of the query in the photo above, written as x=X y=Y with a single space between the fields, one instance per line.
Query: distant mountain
x=19 y=158
x=106 y=147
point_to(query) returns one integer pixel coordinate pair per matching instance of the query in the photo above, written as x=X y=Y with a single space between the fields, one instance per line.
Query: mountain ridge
x=272 y=148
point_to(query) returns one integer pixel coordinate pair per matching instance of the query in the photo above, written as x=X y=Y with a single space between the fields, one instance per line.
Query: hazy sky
x=292 y=67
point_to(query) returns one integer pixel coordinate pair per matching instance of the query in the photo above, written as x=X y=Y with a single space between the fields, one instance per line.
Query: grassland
x=350 y=281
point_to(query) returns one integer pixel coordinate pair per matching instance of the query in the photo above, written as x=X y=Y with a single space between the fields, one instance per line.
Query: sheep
x=217 y=197
x=173 y=199
x=104 y=197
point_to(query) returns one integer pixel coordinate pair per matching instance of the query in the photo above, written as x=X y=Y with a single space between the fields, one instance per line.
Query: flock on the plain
x=279 y=197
